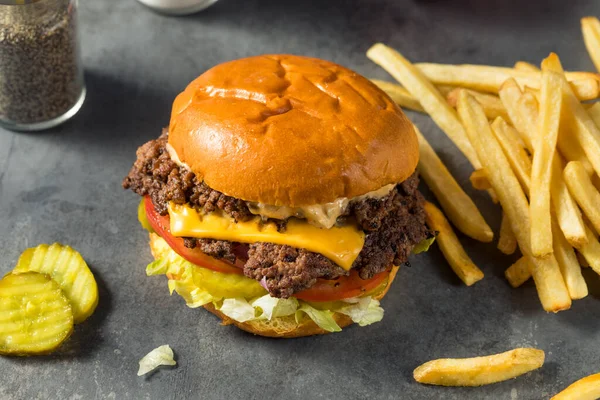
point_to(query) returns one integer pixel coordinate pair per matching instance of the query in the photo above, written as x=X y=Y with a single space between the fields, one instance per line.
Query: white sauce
x=321 y=215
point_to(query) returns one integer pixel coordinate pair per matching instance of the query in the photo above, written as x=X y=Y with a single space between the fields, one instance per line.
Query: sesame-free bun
x=282 y=327
x=290 y=130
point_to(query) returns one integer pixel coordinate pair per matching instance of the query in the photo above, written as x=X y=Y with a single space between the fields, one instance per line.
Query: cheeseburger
x=283 y=195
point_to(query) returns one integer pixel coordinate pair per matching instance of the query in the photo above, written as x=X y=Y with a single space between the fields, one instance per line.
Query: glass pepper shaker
x=41 y=75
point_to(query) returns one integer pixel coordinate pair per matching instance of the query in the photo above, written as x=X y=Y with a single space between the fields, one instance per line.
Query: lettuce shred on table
x=162 y=355
x=363 y=311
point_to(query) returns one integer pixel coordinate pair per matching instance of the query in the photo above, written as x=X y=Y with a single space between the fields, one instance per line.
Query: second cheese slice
x=340 y=244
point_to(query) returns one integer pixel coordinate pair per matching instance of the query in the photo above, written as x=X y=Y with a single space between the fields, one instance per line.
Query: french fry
x=479 y=180
x=479 y=371
x=492 y=106
x=565 y=207
x=511 y=96
x=456 y=203
x=518 y=273
x=584 y=130
x=489 y=79
x=550 y=285
x=453 y=251
x=525 y=114
x=590 y=27
x=445 y=89
x=582 y=261
x=545 y=147
x=569 y=265
x=507 y=243
x=525 y=66
x=571 y=149
x=594 y=112
x=429 y=97
x=517 y=157
x=400 y=95
x=586 y=195
x=587 y=388
x=591 y=251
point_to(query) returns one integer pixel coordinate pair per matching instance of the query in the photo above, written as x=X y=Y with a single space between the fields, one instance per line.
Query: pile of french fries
x=532 y=136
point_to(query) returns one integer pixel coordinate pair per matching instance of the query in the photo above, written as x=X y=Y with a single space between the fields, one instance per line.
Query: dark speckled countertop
x=64 y=185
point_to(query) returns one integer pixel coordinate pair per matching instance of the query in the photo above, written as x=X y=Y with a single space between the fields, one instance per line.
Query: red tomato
x=344 y=287
x=161 y=225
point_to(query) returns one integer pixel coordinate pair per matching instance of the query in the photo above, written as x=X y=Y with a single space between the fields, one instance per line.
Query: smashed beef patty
x=393 y=225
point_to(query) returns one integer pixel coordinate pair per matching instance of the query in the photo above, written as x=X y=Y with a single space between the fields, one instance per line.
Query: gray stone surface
x=64 y=185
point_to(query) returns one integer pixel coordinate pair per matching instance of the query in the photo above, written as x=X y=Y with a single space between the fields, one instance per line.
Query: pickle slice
x=35 y=315
x=69 y=270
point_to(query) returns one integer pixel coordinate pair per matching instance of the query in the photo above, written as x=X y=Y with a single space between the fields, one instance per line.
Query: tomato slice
x=161 y=225
x=344 y=287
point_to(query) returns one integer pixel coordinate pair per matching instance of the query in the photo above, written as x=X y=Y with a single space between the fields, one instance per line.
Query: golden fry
x=525 y=66
x=582 y=261
x=586 y=195
x=591 y=251
x=587 y=388
x=453 y=251
x=518 y=273
x=546 y=273
x=582 y=126
x=590 y=27
x=545 y=147
x=492 y=106
x=456 y=203
x=569 y=265
x=489 y=79
x=512 y=99
x=517 y=157
x=479 y=371
x=427 y=94
x=400 y=95
x=479 y=180
x=565 y=207
x=507 y=243
x=525 y=114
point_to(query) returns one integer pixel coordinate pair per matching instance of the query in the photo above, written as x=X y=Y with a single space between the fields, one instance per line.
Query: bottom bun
x=280 y=327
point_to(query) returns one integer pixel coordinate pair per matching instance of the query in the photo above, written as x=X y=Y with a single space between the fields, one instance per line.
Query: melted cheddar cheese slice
x=340 y=244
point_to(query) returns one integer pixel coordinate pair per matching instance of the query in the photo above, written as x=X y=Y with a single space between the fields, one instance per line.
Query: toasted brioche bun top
x=291 y=131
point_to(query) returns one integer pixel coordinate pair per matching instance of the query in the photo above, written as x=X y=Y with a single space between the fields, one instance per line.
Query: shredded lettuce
x=238 y=309
x=195 y=291
x=272 y=307
x=194 y=296
x=162 y=355
x=423 y=245
x=363 y=311
x=158 y=267
x=323 y=318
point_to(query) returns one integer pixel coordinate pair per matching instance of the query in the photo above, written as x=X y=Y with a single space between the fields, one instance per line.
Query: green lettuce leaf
x=272 y=307
x=323 y=318
x=162 y=355
x=158 y=267
x=193 y=295
x=423 y=245
x=185 y=279
x=238 y=309
x=365 y=311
